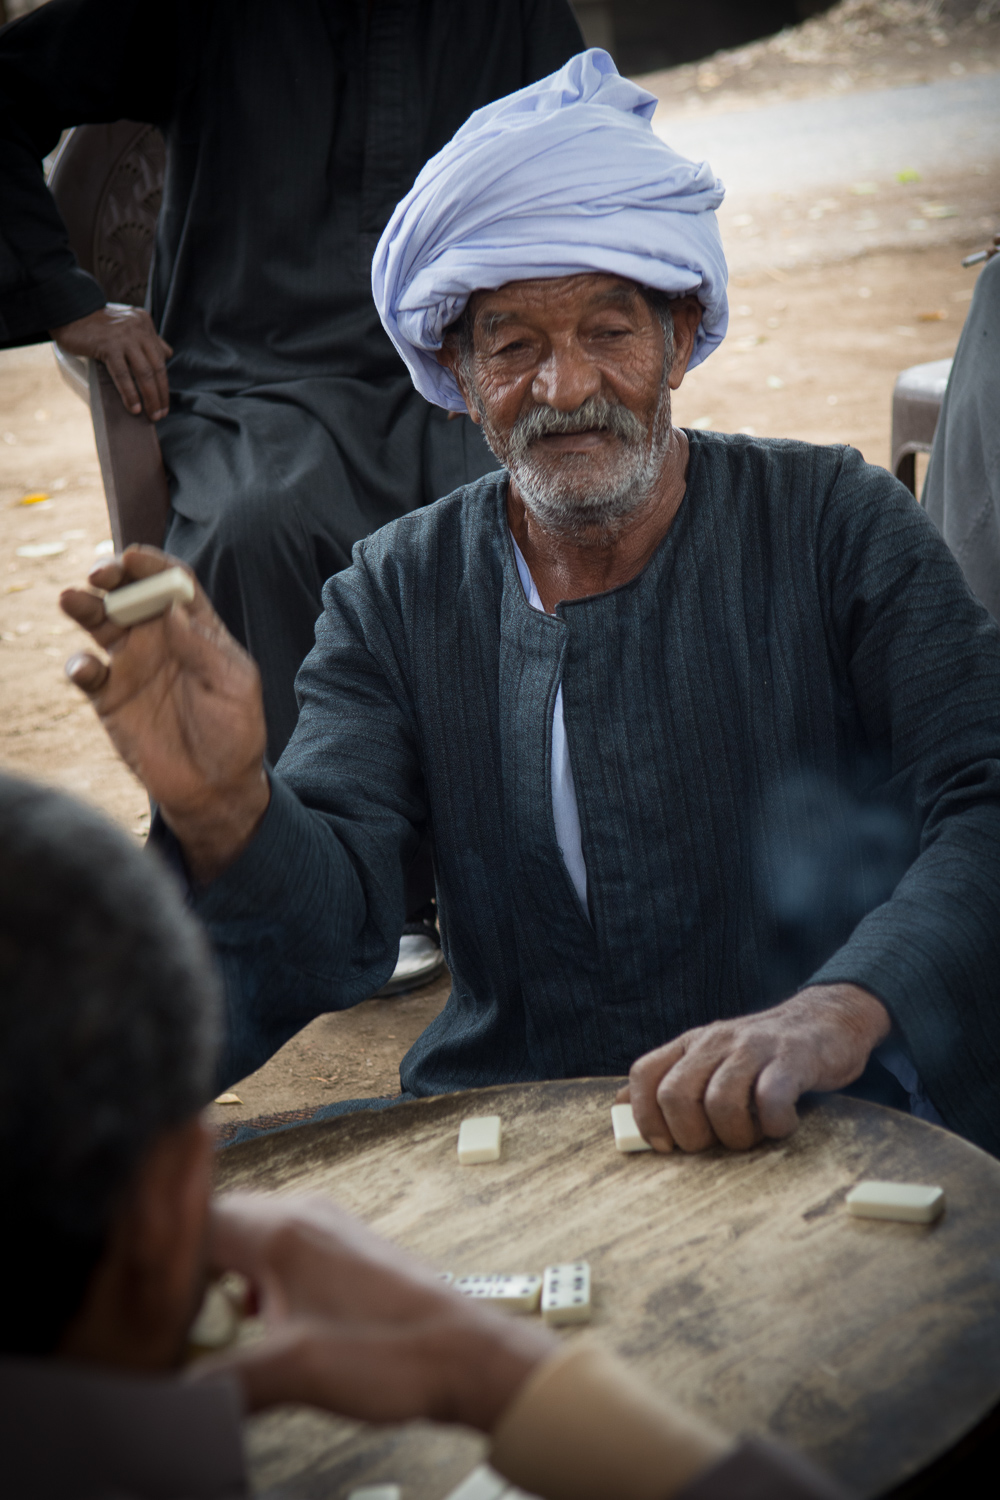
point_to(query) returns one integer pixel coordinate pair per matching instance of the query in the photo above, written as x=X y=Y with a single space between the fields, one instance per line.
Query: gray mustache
x=596 y=411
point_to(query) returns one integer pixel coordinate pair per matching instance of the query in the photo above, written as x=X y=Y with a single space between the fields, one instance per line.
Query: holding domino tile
x=627 y=1137
x=566 y=1294
x=136 y=602
x=518 y=1293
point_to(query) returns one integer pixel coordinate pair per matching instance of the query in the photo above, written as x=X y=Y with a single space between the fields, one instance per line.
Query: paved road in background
x=818 y=179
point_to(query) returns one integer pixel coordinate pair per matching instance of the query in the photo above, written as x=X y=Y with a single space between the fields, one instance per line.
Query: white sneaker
x=420 y=960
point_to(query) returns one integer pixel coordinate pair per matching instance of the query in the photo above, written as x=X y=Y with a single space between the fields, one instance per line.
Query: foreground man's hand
x=737 y=1081
x=358 y=1327
x=124 y=339
x=181 y=702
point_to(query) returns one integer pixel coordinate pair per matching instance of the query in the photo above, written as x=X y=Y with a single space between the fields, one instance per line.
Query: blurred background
x=860 y=146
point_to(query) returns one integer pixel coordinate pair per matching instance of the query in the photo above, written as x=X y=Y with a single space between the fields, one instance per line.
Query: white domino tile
x=135 y=602
x=566 y=1293
x=479 y=1139
x=627 y=1137
x=485 y=1483
x=482 y=1484
x=910 y=1202
x=520 y=1292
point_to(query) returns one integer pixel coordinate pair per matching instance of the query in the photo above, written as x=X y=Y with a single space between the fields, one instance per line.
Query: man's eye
x=515 y=346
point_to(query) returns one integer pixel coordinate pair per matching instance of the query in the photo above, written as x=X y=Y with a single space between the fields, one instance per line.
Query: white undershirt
x=566 y=816
x=565 y=813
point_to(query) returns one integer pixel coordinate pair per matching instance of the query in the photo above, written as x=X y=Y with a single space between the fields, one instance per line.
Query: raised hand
x=737 y=1081
x=181 y=702
x=124 y=339
x=359 y=1327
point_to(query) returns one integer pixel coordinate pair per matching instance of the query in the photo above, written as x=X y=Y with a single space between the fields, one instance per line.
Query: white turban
x=563 y=177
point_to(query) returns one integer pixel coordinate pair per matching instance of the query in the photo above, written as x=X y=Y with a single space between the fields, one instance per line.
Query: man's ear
x=687 y=315
x=449 y=356
x=149 y=1282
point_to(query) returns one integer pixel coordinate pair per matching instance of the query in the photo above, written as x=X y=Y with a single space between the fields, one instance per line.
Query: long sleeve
x=584 y=1428
x=923 y=660
x=71 y=62
x=309 y=918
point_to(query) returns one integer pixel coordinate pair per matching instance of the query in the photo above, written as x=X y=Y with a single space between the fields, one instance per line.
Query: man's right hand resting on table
x=181 y=702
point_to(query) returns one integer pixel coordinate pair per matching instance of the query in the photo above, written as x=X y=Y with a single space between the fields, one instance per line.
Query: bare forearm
x=445 y=1367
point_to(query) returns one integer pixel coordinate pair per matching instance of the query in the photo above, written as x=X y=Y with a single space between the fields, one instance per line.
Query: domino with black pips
x=520 y=1292
x=566 y=1294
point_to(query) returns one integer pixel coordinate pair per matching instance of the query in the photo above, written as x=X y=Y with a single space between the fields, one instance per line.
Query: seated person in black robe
x=108 y=1025
x=292 y=127
x=720 y=712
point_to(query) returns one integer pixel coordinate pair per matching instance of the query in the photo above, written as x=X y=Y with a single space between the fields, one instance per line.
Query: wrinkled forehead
x=552 y=296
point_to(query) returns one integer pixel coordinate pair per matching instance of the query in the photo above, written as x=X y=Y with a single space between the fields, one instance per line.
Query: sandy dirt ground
x=815 y=344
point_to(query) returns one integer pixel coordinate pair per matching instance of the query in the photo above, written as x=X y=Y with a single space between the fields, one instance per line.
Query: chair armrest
x=135 y=482
x=74 y=371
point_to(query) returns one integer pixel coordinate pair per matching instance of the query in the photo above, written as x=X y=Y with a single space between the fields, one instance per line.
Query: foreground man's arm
x=356 y=1326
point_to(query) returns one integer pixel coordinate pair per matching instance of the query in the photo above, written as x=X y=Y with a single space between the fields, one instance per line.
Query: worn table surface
x=737 y=1282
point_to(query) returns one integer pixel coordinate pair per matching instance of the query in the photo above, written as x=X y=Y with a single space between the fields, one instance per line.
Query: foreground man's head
x=108 y=1029
x=108 y=1022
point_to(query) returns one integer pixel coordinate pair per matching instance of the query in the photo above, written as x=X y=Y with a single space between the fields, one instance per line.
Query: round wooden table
x=737 y=1282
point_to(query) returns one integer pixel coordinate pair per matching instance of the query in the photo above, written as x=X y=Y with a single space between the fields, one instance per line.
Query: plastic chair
x=916 y=406
x=107 y=182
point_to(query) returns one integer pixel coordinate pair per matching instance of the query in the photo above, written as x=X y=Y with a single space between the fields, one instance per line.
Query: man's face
x=570 y=378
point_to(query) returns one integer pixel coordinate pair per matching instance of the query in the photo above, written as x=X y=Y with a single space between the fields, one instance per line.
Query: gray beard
x=571 y=495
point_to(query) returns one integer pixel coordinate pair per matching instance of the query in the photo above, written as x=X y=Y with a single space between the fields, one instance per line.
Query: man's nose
x=565 y=379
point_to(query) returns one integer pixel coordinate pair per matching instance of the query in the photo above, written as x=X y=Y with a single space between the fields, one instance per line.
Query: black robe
x=293 y=127
x=785 y=743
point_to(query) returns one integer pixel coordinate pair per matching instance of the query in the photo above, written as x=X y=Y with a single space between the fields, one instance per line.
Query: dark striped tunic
x=785 y=741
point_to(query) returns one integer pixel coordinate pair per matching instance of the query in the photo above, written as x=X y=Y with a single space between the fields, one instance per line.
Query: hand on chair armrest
x=124 y=339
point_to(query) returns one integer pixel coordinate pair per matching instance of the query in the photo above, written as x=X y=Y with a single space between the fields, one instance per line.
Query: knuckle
x=675 y=1091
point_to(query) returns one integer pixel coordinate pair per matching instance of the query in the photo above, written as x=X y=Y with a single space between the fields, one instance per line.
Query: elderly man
x=722 y=710
x=108 y=1025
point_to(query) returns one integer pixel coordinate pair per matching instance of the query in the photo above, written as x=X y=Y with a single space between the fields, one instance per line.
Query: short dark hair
x=109 y=1018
